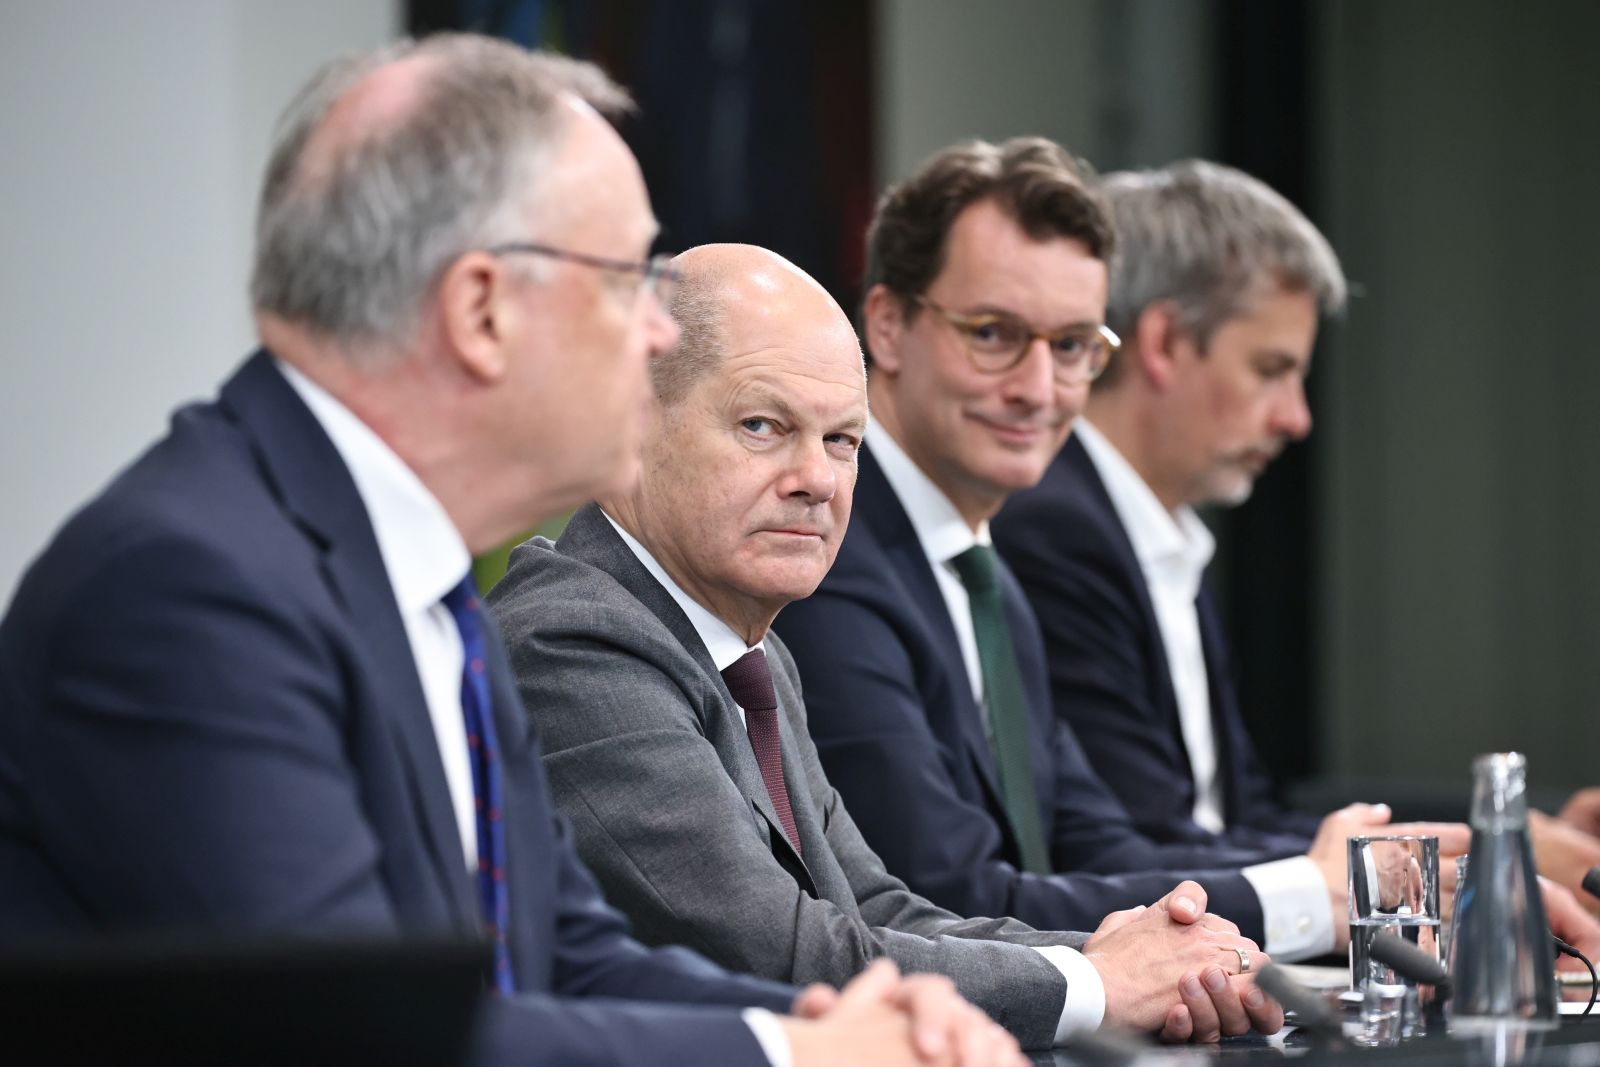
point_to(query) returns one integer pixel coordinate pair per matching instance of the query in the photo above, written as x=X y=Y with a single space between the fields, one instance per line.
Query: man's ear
x=884 y=325
x=1157 y=337
x=478 y=314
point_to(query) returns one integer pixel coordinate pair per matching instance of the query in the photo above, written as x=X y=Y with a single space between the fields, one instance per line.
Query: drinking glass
x=1393 y=889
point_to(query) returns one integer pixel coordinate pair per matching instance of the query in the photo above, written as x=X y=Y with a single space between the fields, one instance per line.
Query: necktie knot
x=749 y=682
x=977 y=569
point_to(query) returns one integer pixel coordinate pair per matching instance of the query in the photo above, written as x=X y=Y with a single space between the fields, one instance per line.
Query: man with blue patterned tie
x=247 y=689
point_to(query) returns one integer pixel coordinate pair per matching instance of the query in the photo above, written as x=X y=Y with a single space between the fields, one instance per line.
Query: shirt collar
x=939 y=526
x=421 y=548
x=725 y=646
x=1161 y=540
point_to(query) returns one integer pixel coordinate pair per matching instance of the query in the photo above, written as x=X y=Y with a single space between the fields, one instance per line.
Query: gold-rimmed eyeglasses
x=996 y=342
x=655 y=273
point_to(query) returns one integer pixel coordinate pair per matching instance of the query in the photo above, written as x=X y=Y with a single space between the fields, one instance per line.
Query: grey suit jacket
x=649 y=759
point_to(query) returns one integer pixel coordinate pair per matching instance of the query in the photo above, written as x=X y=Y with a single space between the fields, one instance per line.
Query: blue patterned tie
x=484 y=752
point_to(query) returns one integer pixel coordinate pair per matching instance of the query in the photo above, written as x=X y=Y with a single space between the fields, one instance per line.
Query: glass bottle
x=1502 y=966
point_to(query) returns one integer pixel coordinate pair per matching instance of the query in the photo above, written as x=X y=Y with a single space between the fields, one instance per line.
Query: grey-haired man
x=248 y=690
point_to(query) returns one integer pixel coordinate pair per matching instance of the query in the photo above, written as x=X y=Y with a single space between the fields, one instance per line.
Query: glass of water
x=1393 y=889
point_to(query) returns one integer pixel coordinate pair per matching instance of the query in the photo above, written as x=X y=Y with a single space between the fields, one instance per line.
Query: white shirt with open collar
x=1173 y=550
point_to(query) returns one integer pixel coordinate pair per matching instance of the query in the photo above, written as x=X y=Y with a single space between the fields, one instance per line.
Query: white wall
x=133 y=138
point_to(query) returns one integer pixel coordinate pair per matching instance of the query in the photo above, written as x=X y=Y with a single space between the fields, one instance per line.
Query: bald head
x=727 y=291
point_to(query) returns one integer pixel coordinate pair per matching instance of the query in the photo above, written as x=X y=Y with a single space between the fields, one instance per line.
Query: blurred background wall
x=132 y=141
x=1411 y=586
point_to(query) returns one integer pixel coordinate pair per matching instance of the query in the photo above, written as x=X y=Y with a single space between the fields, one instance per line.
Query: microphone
x=1312 y=1011
x=1591 y=881
x=1410 y=962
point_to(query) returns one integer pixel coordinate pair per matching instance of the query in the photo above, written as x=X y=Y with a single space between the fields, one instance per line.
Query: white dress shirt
x=725 y=646
x=1173 y=550
x=425 y=558
x=1086 y=995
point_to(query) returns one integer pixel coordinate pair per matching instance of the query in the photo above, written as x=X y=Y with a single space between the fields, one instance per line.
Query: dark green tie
x=1008 y=709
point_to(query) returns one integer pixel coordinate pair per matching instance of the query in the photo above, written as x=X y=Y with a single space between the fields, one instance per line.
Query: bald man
x=675 y=731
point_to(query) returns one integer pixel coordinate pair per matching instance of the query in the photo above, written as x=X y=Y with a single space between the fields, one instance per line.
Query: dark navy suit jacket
x=902 y=739
x=1109 y=676
x=210 y=719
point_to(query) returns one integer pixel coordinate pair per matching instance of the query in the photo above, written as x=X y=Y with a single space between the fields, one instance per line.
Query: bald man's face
x=748 y=478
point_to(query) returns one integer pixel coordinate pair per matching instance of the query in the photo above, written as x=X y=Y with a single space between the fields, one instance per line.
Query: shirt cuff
x=1294 y=908
x=1085 y=1005
x=769 y=1035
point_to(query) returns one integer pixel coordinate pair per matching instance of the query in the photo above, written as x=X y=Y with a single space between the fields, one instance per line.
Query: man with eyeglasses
x=249 y=691
x=924 y=674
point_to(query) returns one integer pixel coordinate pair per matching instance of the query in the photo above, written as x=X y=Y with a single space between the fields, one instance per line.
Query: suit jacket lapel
x=1116 y=536
x=317 y=489
x=822 y=876
x=880 y=509
x=589 y=537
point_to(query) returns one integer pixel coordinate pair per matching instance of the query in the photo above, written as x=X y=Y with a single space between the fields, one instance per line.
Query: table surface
x=1576 y=1043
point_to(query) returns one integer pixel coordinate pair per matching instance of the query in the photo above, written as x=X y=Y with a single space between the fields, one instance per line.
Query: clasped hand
x=882 y=1019
x=1177 y=969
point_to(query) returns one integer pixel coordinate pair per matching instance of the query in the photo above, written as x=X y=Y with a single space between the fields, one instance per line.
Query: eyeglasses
x=996 y=342
x=655 y=273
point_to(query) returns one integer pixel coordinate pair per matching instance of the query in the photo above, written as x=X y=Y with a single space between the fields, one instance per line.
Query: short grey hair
x=1209 y=239
x=351 y=238
x=697 y=304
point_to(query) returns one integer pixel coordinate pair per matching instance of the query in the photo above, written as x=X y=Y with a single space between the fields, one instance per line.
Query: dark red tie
x=750 y=682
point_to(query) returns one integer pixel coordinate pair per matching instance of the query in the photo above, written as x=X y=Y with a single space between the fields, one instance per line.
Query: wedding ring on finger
x=1242 y=953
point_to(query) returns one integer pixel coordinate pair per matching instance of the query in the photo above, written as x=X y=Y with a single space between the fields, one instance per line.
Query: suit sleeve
x=868 y=721
x=187 y=764
x=187 y=768
x=682 y=851
x=545 y=1031
x=597 y=957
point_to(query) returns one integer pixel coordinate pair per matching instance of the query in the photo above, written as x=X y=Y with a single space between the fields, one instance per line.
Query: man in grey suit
x=675 y=731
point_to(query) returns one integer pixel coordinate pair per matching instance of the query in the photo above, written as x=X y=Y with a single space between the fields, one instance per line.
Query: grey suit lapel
x=589 y=537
